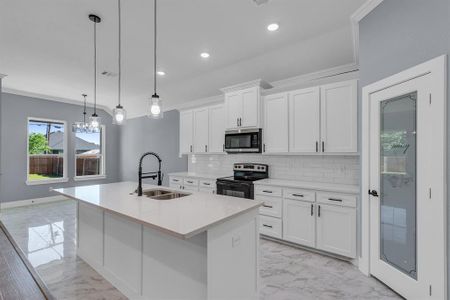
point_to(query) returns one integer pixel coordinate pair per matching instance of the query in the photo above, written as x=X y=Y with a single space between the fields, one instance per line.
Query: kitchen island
x=198 y=246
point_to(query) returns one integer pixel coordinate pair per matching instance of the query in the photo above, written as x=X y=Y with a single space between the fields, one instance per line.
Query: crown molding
x=197 y=103
x=357 y=16
x=249 y=84
x=52 y=98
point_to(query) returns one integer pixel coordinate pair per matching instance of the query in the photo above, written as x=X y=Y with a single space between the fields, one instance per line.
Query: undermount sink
x=158 y=194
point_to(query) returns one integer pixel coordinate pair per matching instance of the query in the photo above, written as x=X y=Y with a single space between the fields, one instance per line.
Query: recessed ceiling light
x=273 y=27
x=204 y=54
x=161 y=73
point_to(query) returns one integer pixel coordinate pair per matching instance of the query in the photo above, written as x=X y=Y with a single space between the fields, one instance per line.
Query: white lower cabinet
x=192 y=184
x=321 y=220
x=336 y=229
x=299 y=222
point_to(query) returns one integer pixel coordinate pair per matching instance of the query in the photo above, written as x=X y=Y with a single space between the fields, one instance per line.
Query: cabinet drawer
x=190 y=188
x=207 y=190
x=268 y=190
x=270 y=226
x=299 y=194
x=272 y=206
x=191 y=181
x=176 y=180
x=337 y=199
x=174 y=186
x=207 y=183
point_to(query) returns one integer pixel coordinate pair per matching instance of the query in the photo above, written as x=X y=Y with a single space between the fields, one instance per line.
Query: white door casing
x=428 y=80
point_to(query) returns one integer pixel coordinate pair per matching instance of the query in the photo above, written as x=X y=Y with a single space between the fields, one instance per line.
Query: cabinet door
x=233 y=103
x=276 y=132
x=299 y=225
x=339 y=117
x=201 y=130
x=336 y=229
x=250 y=107
x=216 y=129
x=186 y=132
x=304 y=120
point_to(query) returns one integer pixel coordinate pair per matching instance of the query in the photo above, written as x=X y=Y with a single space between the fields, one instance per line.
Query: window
x=90 y=155
x=47 y=155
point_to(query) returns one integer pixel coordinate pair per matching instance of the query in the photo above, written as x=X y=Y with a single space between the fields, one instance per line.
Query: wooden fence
x=88 y=165
x=50 y=165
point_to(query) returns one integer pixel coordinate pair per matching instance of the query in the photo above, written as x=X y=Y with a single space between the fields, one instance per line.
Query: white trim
x=34 y=201
x=89 y=177
x=65 y=143
x=246 y=85
x=357 y=16
x=437 y=68
x=218 y=99
x=53 y=98
x=103 y=159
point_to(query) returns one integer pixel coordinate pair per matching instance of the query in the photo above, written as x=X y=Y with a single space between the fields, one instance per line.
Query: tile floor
x=47 y=234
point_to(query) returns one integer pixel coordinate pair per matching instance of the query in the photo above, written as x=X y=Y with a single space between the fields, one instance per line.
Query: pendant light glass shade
x=82 y=127
x=155 y=107
x=94 y=123
x=95 y=120
x=119 y=115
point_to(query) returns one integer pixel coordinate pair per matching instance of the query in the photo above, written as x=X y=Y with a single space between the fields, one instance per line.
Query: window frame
x=102 y=161
x=65 y=178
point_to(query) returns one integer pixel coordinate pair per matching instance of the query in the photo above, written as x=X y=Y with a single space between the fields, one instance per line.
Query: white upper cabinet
x=186 y=132
x=233 y=103
x=304 y=120
x=276 y=137
x=201 y=133
x=216 y=129
x=250 y=108
x=339 y=117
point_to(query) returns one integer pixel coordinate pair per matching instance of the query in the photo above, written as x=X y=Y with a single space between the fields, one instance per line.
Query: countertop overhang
x=182 y=217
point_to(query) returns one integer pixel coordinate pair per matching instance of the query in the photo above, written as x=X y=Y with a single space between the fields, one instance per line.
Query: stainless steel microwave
x=243 y=141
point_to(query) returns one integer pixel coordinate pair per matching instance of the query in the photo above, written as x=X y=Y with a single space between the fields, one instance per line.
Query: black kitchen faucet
x=152 y=175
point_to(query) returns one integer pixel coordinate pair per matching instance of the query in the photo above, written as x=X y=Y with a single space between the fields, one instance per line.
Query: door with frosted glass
x=398 y=168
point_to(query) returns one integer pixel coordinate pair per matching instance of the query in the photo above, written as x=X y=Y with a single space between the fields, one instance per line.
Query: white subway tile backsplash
x=327 y=169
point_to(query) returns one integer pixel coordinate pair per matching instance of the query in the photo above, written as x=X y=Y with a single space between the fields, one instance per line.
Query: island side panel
x=174 y=268
x=123 y=252
x=233 y=268
x=90 y=234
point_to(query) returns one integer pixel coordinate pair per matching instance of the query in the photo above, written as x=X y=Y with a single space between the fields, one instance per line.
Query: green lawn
x=38 y=177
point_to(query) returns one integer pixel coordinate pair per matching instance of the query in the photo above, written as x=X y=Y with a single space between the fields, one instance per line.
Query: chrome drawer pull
x=267 y=226
x=189 y=181
x=297 y=195
x=206 y=183
x=269 y=192
x=268 y=206
x=175 y=180
x=334 y=199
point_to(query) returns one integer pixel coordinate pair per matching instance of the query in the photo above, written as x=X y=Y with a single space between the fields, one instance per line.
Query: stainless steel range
x=241 y=184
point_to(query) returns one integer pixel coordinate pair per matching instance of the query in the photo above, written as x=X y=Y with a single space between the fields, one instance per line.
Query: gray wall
x=400 y=34
x=14 y=111
x=144 y=134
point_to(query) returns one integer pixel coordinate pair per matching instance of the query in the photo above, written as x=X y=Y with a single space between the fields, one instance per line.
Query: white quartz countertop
x=182 y=217
x=199 y=175
x=328 y=187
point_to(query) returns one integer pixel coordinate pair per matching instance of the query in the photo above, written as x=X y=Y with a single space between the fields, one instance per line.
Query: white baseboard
x=27 y=202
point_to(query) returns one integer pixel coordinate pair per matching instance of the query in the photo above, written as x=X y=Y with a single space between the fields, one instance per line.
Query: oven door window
x=234 y=190
x=238 y=141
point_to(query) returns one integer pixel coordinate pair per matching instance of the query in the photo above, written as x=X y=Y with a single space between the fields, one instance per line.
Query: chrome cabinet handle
x=269 y=192
x=267 y=226
x=237 y=122
x=175 y=180
x=334 y=199
x=297 y=195
x=317 y=146
x=206 y=148
x=323 y=146
x=191 y=148
x=205 y=183
x=264 y=147
x=312 y=209
x=268 y=206
x=189 y=181
x=318 y=213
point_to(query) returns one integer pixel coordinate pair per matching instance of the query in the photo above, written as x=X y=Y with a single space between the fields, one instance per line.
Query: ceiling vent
x=260 y=2
x=109 y=74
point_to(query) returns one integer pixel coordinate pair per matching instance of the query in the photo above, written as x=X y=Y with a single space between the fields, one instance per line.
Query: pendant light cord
x=95 y=69
x=120 y=51
x=154 y=50
x=84 y=109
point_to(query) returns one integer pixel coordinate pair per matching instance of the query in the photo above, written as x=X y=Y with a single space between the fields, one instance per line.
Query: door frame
x=437 y=68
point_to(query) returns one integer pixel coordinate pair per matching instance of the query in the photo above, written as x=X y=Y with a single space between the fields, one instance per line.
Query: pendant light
x=155 y=102
x=81 y=127
x=119 y=113
x=95 y=120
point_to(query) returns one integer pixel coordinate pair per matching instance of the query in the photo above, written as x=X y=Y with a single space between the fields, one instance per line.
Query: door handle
x=373 y=193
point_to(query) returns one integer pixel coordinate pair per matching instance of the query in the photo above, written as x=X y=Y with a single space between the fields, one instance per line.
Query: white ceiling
x=46 y=45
